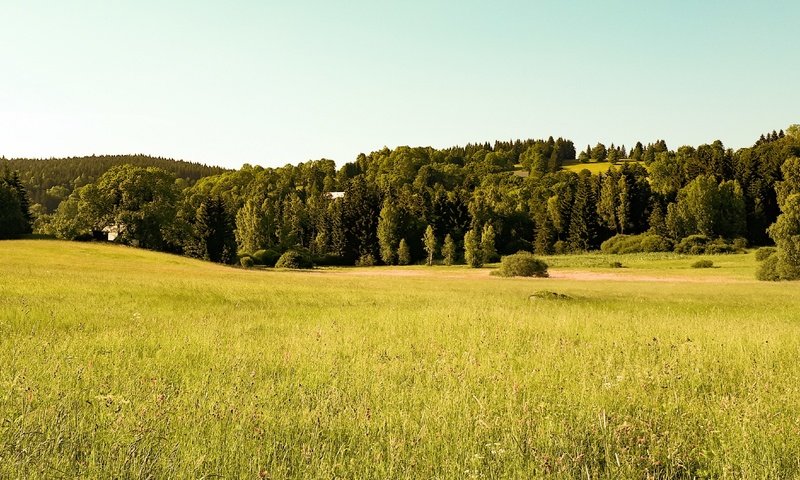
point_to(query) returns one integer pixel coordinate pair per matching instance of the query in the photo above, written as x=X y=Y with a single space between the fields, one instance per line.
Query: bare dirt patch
x=558 y=274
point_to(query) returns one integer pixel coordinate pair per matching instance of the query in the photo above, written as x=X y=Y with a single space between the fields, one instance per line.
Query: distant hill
x=49 y=181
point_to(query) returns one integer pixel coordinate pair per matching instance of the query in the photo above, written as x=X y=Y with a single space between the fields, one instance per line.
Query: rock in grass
x=548 y=295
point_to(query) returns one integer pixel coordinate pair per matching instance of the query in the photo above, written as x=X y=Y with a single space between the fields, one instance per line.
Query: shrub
x=768 y=270
x=646 y=242
x=560 y=247
x=246 y=262
x=740 y=243
x=764 y=253
x=701 y=245
x=521 y=264
x=366 y=260
x=329 y=260
x=294 y=259
x=615 y=265
x=703 y=264
x=266 y=257
x=693 y=245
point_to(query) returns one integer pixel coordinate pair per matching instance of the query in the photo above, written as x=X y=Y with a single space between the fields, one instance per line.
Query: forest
x=408 y=205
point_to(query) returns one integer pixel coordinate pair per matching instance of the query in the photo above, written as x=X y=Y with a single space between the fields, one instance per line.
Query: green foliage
x=429 y=241
x=703 y=264
x=646 y=242
x=472 y=250
x=388 y=224
x=53 y=180
x=599 y=153
x=15 y=216
x=521 y=264
x=488 y=250
x=246 y=262
x=295 y=259
x=403 y=253
x=267 y=258
x=764 y=253
x=251 y=227
x=768 y=270
x=702 y=245
x=449 y=250
x=708 y=208
x=366 y=260
x=366 y=206
x=786 y=234
x=213 y=232
x=616 y=265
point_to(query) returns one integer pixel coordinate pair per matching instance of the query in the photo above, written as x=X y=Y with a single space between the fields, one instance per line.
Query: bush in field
x=646 y=242
x=329 y=260
x=521 y=264
x=294 y=259
x=693 y=245
x=616 y=265
x=266 y=257
x=247 y=262
x=702 y=245
x=768 y=270
x=703 y=264
x=764 y=253
x=366 y=260
x=740 y=243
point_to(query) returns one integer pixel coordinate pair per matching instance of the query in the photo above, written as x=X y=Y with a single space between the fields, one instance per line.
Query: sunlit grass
x=117 y=362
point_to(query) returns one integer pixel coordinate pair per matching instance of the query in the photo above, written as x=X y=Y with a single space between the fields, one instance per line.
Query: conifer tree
x=608 y=203
x=449 y=250
x=623 y=204
x=403 y=253
x=214 y=231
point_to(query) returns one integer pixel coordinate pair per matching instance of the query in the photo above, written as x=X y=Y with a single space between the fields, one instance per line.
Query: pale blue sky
x=272 y=83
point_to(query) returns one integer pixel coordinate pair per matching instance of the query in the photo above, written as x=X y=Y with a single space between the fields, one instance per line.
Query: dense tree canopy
x=380 y=206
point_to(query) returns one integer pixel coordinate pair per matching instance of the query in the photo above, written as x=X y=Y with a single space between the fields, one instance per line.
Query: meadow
x=124 y=363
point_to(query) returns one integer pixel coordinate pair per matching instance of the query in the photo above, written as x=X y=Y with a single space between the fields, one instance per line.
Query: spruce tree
x=608 y=203
x=449 y=250
x=403 y=253
x=214 y=231
x=623 y=204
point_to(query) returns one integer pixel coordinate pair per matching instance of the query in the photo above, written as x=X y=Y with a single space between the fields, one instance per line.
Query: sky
x=271 y=83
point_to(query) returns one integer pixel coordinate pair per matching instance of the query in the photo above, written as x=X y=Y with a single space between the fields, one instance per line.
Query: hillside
x=49 y=181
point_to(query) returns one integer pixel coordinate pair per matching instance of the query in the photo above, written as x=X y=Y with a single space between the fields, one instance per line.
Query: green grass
x=122 y=363
x=594 y=167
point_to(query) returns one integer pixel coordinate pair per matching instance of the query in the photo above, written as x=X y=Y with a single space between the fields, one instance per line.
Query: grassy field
x=123 y=363
x=594 y=167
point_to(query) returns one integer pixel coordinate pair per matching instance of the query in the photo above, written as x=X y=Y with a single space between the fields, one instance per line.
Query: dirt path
x=558 y=274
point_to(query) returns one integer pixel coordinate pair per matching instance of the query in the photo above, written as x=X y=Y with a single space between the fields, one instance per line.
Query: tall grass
x=117 y=362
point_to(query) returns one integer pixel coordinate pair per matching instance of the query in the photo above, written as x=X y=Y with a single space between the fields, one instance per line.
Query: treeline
x=50 y=181
x=401 y=205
